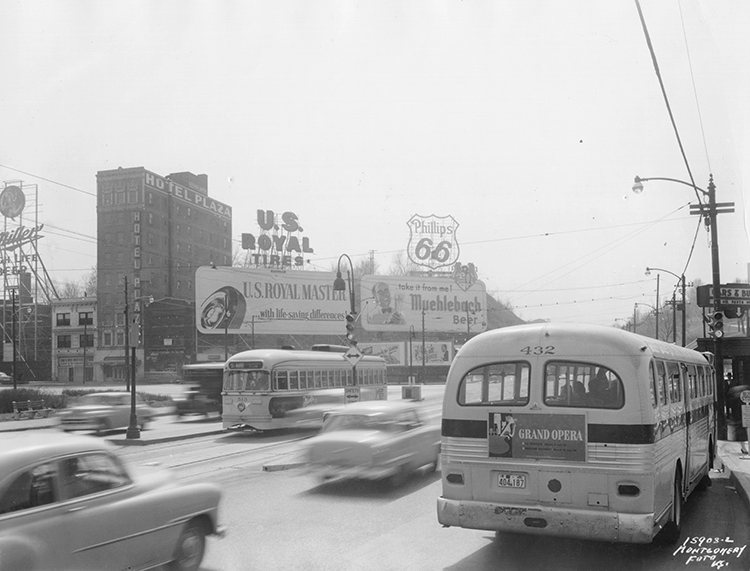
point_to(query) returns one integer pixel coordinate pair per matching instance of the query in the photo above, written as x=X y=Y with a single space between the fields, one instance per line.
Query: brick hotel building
x=153 y=232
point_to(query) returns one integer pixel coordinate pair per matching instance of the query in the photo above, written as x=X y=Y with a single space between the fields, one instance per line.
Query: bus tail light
x=455 y=478
x=628 y=490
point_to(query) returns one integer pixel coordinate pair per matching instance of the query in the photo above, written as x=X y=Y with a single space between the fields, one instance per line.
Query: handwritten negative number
x=539 y=350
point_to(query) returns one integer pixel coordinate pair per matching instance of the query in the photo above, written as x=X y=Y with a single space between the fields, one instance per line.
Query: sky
x=526 y=121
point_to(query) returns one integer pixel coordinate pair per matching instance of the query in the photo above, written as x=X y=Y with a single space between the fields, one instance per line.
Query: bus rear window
x=499 y=383
x=571 y=384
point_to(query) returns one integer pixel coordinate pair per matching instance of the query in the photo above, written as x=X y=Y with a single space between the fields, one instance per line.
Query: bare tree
x=69 y=289
x=401 y=265
x=89 y=283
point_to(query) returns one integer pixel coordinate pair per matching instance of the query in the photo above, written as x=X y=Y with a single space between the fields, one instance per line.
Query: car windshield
x=358 y=422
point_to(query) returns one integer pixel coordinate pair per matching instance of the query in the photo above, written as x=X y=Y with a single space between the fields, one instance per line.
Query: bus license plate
x=511 y=480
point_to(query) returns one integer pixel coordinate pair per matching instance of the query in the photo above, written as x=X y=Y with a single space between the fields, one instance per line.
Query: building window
x=63 y=319
x=85 y=318
x=151 y=218
x=86 y=340
x=150 y=198
x=179 y=286
x=107 y=199
x=63 y=341
x=107 y=338
x=190 y=212
x=120 y=198
x=120 y=318
x=133 y=196
x=120 y=335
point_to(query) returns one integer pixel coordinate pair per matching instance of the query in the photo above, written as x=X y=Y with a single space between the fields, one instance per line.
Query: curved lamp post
x=340 y=285
x=681 y=281
x=709 y=212
x=133 y=430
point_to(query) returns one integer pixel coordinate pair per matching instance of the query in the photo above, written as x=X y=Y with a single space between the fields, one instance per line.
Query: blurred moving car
x=315 y=408
x=374 y=440
x=195 y=401
x=68 y=503
x=105 y=411
x=5 y=379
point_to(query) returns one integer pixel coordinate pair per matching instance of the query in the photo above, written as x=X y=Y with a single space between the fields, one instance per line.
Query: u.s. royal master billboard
x=246 y=300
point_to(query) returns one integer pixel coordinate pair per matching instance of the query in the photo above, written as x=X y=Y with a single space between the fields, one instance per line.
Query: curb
x=139 y=442
x=739 y=469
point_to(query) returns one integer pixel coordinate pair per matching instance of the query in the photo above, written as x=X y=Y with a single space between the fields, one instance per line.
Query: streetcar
x=268 y=389
x=575 y=431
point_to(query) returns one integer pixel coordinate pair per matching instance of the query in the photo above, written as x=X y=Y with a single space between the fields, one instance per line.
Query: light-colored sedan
x=68 y=503
x=105 y=411
x=374 y=440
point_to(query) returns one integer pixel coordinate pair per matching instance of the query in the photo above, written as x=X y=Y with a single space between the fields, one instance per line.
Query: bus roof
x=580 y=340
x=199 y=366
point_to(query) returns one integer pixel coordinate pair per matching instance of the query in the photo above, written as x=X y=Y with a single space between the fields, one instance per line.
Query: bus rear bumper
x=543 y=520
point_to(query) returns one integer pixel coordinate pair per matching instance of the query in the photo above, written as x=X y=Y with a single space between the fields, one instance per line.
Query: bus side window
x=293 y=380
x=692 y=381
x=282 y=381
x=661 y=379
x=653 y=385
x=675 y=392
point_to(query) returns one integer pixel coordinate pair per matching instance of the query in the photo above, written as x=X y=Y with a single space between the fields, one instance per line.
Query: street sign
x=730 y=294
x=351 y=394
x=353 y=355
x=745 y=397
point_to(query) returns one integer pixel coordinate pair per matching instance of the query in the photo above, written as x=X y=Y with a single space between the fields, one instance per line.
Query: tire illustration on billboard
x=223 y=309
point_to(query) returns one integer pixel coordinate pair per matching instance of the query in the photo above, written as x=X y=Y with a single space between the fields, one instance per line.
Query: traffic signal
x=716 y=324
x=350 y=318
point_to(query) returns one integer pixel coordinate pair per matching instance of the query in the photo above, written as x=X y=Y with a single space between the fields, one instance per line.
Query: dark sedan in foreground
x=68 y=503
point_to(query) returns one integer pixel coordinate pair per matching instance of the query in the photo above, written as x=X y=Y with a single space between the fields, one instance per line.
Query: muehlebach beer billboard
x=246 y=301
x=390 y=303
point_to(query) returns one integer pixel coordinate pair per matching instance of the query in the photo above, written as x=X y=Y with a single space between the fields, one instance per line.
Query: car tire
x=397 y=480
x=190 y=548
x=104 y=425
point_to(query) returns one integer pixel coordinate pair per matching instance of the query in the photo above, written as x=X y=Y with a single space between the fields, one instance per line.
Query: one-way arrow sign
x=353 y=355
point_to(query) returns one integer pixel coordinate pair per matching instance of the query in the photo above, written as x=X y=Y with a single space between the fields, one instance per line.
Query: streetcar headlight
x=241 y=406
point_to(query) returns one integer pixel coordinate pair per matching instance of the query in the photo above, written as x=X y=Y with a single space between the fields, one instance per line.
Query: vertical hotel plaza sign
x=432 y=241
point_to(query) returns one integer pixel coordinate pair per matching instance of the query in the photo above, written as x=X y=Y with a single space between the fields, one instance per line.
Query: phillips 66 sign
x=432 y=241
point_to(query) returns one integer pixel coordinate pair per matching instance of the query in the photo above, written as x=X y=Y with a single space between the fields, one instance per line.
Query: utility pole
x=127 y=339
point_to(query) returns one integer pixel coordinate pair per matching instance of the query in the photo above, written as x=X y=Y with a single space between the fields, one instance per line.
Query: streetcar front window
x=238 y=380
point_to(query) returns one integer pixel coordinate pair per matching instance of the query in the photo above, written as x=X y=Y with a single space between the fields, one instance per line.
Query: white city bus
x=265 y=389
x=576 y=431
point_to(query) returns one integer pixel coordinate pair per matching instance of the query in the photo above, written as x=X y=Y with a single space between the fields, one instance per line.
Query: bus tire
x=672 y=530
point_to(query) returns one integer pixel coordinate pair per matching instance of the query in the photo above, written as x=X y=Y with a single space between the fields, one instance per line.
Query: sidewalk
x=162 y=429
x=731 y=456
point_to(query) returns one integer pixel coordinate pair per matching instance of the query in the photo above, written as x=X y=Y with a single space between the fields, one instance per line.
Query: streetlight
x=227 y=315
x=133 y=430
x=339 y=284
x=709 y=213
x=412 y=334
x=681 y=281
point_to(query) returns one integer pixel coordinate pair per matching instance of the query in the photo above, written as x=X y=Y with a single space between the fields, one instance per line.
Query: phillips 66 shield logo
x=432 y=241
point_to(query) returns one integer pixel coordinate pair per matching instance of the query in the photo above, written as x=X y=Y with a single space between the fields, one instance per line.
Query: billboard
x=247 y=300
x=390 y=303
